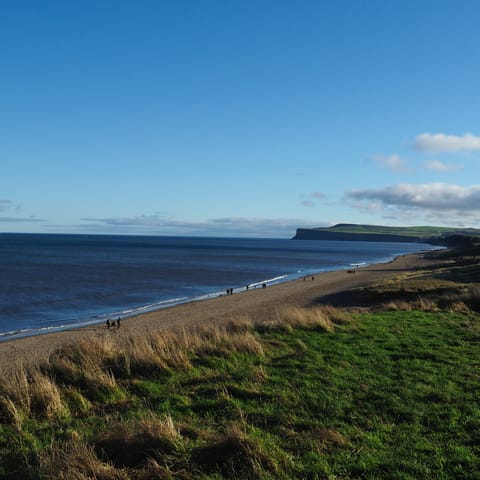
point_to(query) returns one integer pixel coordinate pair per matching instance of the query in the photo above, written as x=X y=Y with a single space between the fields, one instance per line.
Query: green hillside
x=349 y=231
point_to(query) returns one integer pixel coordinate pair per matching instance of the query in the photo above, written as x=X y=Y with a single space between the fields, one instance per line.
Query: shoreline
x=93 y=320
x=259 y=304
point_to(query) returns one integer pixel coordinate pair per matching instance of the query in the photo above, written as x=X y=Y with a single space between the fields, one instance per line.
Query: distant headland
x=379 y=233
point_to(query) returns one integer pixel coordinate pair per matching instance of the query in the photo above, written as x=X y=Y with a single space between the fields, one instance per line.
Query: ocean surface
x=55 y=282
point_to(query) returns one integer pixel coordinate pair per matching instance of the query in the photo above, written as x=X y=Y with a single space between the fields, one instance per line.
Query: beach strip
x=259 y=304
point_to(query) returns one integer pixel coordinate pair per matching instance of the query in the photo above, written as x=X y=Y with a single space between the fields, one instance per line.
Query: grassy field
x=415 y=231
x=385 y=392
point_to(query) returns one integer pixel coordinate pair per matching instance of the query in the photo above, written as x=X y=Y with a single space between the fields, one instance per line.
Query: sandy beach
x=258 y=304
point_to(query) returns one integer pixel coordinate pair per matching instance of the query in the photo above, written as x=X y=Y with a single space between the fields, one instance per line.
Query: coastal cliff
x=379 y=233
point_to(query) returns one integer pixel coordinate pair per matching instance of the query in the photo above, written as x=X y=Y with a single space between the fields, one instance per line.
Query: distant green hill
x=379 y=233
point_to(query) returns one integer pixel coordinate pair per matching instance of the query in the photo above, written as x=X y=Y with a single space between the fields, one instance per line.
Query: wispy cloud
x=394 y=162
x=312 y=198
x=441 y=143
x=224 y=226
x=438 y=166
x=5 y=204
x=10 y=213
x=20 y=219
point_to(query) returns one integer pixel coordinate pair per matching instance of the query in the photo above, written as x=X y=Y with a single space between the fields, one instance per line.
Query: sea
x=51 y=282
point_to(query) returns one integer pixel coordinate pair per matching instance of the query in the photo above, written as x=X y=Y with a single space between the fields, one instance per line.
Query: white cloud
x=440 y=202
x=393 y=162
x=436 y=196
x=438 y=166
x=439 y=142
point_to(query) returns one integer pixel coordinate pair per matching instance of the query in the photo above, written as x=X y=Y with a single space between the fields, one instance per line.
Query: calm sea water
x=50 y=282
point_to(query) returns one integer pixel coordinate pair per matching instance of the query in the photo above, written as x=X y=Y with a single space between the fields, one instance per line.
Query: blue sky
x=239 y=118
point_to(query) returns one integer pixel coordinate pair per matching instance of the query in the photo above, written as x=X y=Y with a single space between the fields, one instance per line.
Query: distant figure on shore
x=118 y=322
x=247 y=287
x=264 y=285
x=108 y=323
x=313 y=278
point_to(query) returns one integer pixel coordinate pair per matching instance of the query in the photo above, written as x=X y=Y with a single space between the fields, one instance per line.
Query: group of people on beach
x=113 y=323
x=247 y=287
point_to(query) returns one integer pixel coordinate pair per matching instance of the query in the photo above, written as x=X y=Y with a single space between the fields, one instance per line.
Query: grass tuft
x=46 y=400
x=132 y=444
x=223 y=340
x=77 y=461
x=312 y=319
x=235 y=455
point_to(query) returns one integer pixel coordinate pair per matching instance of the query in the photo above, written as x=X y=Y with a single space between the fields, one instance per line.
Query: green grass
x=415 y=231
x=391 y=395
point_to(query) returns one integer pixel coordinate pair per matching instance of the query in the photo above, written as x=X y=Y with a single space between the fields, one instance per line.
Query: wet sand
x=259 y=304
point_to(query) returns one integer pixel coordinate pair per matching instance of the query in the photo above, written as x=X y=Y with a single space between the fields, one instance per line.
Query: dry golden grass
x=84 y=368
x=459 y=307
x=143 y=356
x=10 y=413
x=29 y=392
x=427 y=291
x=337 y=315
x=314 y=318
x=322 y=318
x=16 y=386
x=222 y=339
x=77 y=461
x=86 y=371
x=394 y=305
x=168 y=346
x=421 y=304
x=45 y=397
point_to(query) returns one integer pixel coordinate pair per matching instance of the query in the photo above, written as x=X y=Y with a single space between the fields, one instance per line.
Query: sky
x=238 y=117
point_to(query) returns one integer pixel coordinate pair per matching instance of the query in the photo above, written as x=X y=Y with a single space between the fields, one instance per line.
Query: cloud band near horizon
x=261 y=227
x=441 y=143
x=436 y=196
